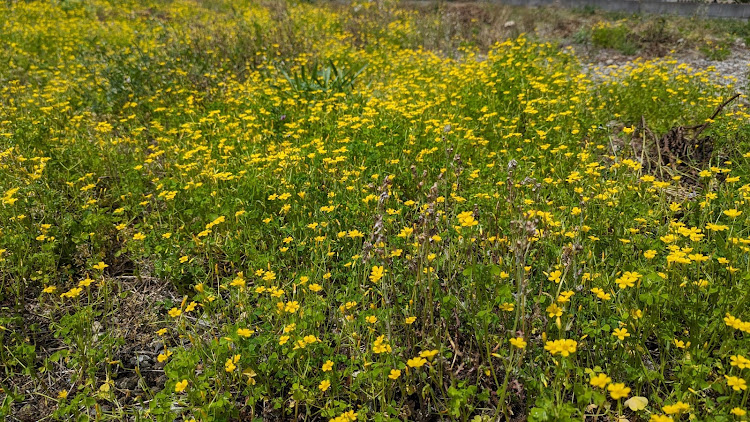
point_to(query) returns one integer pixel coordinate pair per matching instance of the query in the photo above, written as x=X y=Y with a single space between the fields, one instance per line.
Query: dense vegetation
x=240 y=210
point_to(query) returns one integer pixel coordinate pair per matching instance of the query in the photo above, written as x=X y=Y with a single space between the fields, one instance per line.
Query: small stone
x=26 y=413
x=144 y=362
x=509 y=24
x=127 y=383
x=609 y=62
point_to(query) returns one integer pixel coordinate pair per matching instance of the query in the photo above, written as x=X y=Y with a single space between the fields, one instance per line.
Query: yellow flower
x=324 y=385
x=507 y=307
x=733 y=213
x=518 y=342
x=600 y=380
x=49 y=289
x=681 y=344
x=377 y=273
x=283 y=340
x=678 y=407
x=428 y=354
x=600 y=294
x=181 y=386
x=564 y=347
x=405 y=232
x=621 y=333
x=86 y=282
x=661 y=418
x=315 y=287
x=649 y=254
x=555 y=276
x=466 y=219
x=739 y=412
x=238 y=281
x=416 y=362
x=554 y=311
x=244 y=332
x=618 y=390
x=565 y=296
x=72 y=293
x=380 y=345
x=740 y=361
x=327 y=366
x=410 y=320
x=175 y=312
x=139 y=236
x=395 y=373
x=736 y=383
x=183 y=259
x=628 y=279
x=291 y=307
x=163 y=356
x=100 y=266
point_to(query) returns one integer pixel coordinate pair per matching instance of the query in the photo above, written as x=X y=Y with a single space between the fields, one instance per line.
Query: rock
x=609 y=62
x=26 y=413
x=509 y=24
x=145 y=361
x=128 y=383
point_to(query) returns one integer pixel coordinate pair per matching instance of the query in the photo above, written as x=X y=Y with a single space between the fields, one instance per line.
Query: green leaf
x=537 y=414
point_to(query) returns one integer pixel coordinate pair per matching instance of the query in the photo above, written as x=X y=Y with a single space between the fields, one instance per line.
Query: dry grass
x=448 y=25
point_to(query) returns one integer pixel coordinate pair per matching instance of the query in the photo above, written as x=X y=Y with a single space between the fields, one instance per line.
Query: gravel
x=734 y=70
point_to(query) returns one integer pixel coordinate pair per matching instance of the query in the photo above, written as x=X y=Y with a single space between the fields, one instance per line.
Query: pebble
x=734 y=70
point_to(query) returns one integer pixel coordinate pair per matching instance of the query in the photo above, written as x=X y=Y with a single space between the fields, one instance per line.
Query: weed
x=213 y=211
x=326 y=80
x=615 y=36
x=716 y=50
